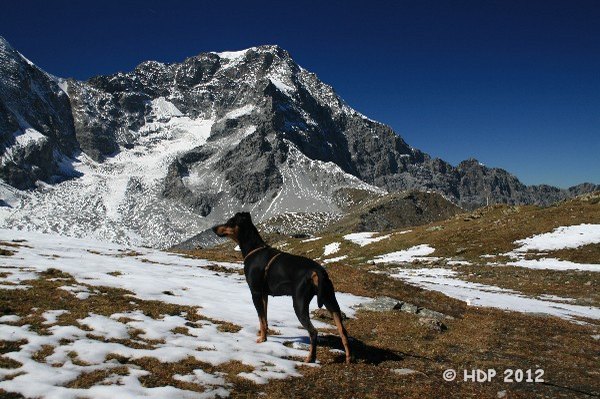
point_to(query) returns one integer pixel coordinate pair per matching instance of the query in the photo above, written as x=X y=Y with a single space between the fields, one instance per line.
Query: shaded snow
x=162 y=109
x=120 y=199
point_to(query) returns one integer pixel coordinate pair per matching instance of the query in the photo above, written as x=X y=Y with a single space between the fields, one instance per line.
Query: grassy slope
x=477 y=337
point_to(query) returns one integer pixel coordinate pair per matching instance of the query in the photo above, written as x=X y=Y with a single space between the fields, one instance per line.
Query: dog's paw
x=310 y=359
x=261 y=339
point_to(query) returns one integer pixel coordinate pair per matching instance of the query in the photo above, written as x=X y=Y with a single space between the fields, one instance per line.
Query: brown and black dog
x=272 y=272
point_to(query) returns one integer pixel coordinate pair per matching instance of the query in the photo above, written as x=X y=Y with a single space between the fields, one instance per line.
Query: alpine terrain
x=156 y=155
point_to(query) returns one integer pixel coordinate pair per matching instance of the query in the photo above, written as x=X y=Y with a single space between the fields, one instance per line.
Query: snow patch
x=233 y=55
x=561 y=238
x=418 y=252
x=554 y=264
x=475 y=294
x=236 y=113
x=162 y=109
x=331 y=249
x=284 y=88
x=337 y=259
x=51 y=316
x=365 y=238
x=312 y=239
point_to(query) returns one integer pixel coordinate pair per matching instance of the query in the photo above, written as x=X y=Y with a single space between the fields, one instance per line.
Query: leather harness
x=269 y=263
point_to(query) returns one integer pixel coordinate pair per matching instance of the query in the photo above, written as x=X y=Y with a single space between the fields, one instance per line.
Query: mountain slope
x=166 y=150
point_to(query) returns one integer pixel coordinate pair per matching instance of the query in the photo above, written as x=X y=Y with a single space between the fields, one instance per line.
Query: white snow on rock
x=149 y=275
x=119 y=199
x=309 y=184
x=475 y=294
x=163 y=109
x=561 y=238
x=236 y=113
x=23 y=138
x=285 y=88
x=365 y=238
x=331 y=249
x=233 y=55
x=418 y=252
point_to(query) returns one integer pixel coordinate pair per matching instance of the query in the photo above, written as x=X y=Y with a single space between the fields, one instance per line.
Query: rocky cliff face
x=36 y=124
x=159 y=153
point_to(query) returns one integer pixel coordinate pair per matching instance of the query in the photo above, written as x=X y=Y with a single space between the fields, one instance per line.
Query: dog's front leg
x=265 y=300
x=260 y=305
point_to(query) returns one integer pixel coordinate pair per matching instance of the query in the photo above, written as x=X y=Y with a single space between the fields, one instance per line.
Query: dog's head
x=233 y=226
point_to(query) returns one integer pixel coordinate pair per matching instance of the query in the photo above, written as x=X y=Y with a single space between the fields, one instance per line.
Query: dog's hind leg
x=337 y=318
x=259 y=304
x=301 y=308
x=332 y=305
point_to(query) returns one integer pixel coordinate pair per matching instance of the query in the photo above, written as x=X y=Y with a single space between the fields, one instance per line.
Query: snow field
x=150 y=275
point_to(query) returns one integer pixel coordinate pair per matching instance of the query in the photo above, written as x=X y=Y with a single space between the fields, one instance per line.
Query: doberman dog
x=272 y=272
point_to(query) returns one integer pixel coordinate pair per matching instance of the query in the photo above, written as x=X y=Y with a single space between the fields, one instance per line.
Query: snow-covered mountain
x=158 y=154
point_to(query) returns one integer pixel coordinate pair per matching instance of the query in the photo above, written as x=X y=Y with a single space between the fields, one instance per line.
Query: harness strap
x=253 y=251
x=270 y=263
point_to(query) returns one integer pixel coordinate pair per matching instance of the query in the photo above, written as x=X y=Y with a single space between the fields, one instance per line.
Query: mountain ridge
x=191 y=142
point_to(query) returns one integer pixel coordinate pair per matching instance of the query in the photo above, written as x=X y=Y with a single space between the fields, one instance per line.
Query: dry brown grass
x=223 y=269
x=14 y=244
x=477 y=337
x=584 y=254
x=41 y=355
x=480 y=339
x=6 y=252
x=88 y=380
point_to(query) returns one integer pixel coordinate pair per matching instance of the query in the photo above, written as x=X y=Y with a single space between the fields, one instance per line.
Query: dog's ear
x=246 y=216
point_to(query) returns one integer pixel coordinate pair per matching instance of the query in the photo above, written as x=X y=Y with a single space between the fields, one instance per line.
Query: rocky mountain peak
x=159 y=153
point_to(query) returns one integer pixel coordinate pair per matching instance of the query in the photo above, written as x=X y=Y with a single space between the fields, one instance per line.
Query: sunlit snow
x=149 y=275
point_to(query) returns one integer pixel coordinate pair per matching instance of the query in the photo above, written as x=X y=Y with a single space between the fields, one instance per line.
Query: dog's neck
x=249 y=240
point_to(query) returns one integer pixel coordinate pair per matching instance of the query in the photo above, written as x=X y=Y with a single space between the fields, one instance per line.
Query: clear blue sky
x=515 y=84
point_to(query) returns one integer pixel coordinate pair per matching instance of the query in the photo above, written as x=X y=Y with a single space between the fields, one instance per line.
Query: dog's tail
x=324 y=289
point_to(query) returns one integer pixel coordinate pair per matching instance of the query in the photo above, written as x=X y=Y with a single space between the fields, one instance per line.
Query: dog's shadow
x=361 y=352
